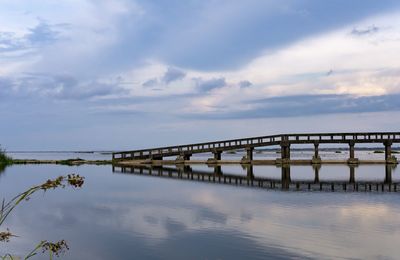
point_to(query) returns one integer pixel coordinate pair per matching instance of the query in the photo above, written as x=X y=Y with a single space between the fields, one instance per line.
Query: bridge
x=183 y=153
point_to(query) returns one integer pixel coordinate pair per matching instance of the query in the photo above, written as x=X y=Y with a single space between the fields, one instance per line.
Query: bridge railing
x=258 y=141
x=200 y=146
x=343 y=136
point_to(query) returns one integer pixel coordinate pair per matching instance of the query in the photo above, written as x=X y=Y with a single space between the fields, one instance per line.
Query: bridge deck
x=261 y=141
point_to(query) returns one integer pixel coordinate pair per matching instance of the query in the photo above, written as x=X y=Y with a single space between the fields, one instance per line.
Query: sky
x=120 y=74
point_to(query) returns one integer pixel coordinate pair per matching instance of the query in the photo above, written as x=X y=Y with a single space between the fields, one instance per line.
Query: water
x=325 y=155
x=61 y=155
x=125 y=216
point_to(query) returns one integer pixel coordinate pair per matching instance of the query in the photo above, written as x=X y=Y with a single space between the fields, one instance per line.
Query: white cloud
x=358 y=62
x=331 y=63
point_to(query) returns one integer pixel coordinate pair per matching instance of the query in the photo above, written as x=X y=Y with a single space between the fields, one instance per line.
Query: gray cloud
x=39 y=35
x=325 y=104
x=208 y=85
x=173 y=74
x=88 y=90
x=308 y=105
x=251 y=27
x=187 y=35
x=56 y=86
x=150 y=83
x=366 y=31
x=43 y=33
x=245 y=84
x=10 y=42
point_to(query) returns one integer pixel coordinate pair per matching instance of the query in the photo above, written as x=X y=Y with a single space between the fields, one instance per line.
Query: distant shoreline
x=68 y=162
x=101 y=152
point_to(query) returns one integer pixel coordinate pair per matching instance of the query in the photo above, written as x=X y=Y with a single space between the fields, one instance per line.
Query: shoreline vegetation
x=6 y=160
x=68 y=162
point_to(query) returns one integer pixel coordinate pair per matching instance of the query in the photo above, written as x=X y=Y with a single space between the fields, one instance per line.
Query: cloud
x=38 y=36
x=306 y=105
x=57 y=86
x=173 y=74
x=43 y=33
x=210 y=84
x=150 y=83
x=230 y=60
x=226 y=36
x=88 y=90
x=245 y=84
x=10 y=42
x=366 y=31
x=198 y=35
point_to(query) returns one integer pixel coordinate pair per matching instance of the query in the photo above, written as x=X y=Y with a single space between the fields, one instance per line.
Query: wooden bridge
x=184 y=152
x=249 y=179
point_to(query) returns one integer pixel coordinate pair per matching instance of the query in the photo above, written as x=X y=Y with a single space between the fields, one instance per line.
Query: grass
x=5 y=160
x=79 y=161
x=381 y=151
x=6 y=208
x=71 y=162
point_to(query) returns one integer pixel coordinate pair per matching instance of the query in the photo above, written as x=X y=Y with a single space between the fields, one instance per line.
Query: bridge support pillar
x=389 y=158
x=248 y=158
x=156 y=157
x=352 y=159
x=153 y=159
x=286 y=151
x=285 y=154
x=182 y=158
x=217 y=157
x=316 y=158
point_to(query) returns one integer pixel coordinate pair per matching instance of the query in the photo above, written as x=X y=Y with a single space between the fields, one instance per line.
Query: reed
x=4 y=158
x=6 y=208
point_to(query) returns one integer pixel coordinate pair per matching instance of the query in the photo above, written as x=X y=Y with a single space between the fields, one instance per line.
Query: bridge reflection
x=285 y=182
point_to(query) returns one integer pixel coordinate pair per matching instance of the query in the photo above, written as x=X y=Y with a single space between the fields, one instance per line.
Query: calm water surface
x=128 y=216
